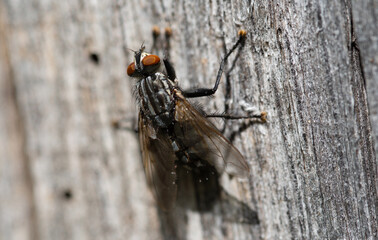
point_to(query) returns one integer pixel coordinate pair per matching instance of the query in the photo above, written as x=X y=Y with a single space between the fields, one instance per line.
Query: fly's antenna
x=142 y=47
x=131 y=50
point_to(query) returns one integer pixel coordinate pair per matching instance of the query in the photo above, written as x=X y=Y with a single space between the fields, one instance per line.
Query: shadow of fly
x=173 y=133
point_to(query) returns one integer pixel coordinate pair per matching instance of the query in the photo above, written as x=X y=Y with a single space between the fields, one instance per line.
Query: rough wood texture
x=312 y=65
x=365 y=14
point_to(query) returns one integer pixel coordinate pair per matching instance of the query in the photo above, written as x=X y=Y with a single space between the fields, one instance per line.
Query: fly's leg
x=155 y=37
x=256 y=118
x=201 y=92
x=170 y=70
x=167 y=47
x=261 y=117
x=156 y=44
x=120 y=124
x=168 y=66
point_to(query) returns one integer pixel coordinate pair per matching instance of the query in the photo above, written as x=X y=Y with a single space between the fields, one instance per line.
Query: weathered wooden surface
x=365 y=14
x=66 y=174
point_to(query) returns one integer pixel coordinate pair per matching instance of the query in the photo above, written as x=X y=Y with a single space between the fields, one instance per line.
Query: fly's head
x=144 y=64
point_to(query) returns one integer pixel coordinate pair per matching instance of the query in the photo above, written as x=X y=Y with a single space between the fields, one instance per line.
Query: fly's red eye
x=131 y=69
x=150 y=60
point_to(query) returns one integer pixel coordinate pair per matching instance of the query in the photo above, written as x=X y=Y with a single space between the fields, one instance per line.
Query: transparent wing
x=203 y=140
x=159 y=163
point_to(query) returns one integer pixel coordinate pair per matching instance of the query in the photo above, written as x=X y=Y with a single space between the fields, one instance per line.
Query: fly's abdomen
x=156 y=99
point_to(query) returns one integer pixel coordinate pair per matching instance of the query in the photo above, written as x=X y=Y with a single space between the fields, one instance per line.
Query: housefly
x=172 y=132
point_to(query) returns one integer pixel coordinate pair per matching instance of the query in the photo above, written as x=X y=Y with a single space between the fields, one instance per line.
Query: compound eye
x=150 y=60
x=131 y=69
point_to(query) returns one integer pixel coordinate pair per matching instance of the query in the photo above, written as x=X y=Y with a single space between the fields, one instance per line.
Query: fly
x=172 y=132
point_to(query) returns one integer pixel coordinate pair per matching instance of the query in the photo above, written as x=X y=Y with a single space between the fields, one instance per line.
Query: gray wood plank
x=66 y=174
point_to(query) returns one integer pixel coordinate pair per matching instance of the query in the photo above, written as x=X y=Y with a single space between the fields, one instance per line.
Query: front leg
x=170 y=70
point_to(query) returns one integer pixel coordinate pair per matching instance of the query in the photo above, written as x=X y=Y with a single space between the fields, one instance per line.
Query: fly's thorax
x=156 y=98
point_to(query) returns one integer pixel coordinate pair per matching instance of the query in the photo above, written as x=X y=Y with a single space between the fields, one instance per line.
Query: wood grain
x=65 y=173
